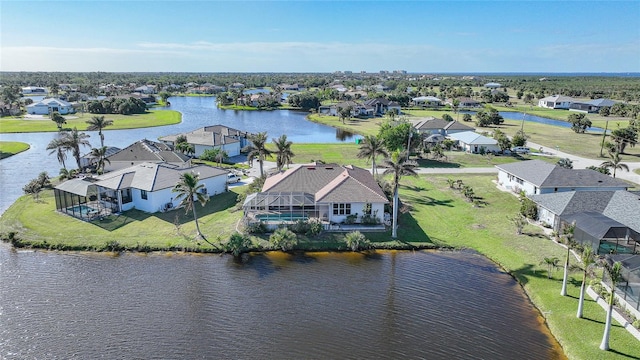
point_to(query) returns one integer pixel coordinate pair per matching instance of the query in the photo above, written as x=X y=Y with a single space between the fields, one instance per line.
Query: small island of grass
x=10 y=148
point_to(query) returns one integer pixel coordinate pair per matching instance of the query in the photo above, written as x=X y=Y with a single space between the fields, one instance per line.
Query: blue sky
x=320 y=36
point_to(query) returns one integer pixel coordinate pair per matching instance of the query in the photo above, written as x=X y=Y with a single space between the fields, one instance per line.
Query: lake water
x=404 y=305
x=197 y=112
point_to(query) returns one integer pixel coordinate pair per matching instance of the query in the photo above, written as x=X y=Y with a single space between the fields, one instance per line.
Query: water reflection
x=271 y=306
x=343 y=135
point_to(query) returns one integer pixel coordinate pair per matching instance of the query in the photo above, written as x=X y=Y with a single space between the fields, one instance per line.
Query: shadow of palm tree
x=629 y=356
x=178 y=216
x=524 y=273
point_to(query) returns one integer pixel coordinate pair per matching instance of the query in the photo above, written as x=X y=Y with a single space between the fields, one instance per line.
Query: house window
x=341 y=209
x=143 y=194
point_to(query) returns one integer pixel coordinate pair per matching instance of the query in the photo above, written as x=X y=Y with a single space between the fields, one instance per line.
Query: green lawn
x=150 y=119
x=357 y=126
x=10 y=148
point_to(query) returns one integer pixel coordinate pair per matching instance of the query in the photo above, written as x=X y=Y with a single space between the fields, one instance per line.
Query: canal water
x=197 y=112
x=390 y=305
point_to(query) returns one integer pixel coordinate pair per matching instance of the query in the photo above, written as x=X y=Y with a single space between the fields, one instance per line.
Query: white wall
x=515 y=184
x=232 y=149
x=357 y=208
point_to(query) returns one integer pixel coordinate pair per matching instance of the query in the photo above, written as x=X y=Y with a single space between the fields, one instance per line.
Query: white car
x=232 y=178
x=521 y=150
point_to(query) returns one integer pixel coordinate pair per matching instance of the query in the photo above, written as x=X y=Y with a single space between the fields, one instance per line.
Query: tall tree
x=99 y=123
x=283 y=151
x=258 y=149
x=73 y=140
x=568 y=235
x=58 y=147
x=58 y=119
x=345 y=113
x=187 y=188
x=614 y=163
x=99 y=155
x=588 y=260
x=370 y=147
x=615 y=275
x=398 y=165
x=221 y=156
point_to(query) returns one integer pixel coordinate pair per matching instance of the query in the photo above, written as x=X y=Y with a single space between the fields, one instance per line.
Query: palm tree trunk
x=374 y=169
x=394 y=226
x=604 y=345
x=261 y=160
x=101 y=139
x=563 y=291
x=581 y=300
x=195 y=218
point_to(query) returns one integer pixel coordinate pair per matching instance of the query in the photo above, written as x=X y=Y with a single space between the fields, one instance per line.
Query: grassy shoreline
x=10 y=148
x=433 y=216
x=150 y=119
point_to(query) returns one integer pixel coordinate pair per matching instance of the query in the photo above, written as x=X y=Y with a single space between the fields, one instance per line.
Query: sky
x=320 y=36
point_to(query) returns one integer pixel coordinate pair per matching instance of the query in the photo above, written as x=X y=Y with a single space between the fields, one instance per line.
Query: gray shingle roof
x=597 y=225
x=152 y=177
x=533 y=171
x=455 y=125
x=147 y=150
x=214 y=135
x=624 y=207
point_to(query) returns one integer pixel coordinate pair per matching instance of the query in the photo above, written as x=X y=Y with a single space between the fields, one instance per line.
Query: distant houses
x=427 y=101
x=34 y=90
x=592 y=106
x=213 y=137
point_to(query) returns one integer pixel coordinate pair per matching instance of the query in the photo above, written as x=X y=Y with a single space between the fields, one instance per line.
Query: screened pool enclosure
x=281 y=207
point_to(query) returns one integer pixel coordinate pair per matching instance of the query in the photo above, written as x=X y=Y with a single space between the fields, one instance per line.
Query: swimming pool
x=282 y=217
x=81 y=209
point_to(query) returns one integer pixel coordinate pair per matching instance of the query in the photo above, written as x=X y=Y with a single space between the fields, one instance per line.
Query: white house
x=474 y=143
x=50 y=105
x=213 y=137
x=332 y=193
x=34 y=90
x=430 y=101
x=556 y=102
x=147 y=187
x=492 y=85
x=539 y=177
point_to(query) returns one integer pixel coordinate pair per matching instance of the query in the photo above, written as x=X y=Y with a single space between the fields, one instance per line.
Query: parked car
x=232 y=178
x=521 y=150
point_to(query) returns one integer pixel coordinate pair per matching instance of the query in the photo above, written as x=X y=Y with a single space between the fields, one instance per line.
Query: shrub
x=351 y=219
x=237 y=244
x=315 y=227
x=257 y=228
x=356 y=241
x=283 y=239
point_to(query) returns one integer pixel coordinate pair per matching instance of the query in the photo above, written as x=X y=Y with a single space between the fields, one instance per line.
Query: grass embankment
x=358 y=126
x=433 y=215
x=149 y=119
x=10 y=148
x=346 y=154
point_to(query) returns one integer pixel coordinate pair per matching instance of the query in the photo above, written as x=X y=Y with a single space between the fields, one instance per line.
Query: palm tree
x=73 y=140
x=258 y=149
x=615 y=275
x=221 y=156
x=187 y=188
x=58 y=146
x=588 y=260
x=568 y=233
x=615 y=163
x=67 y=174
x=99 y=155
x=283 y=151
x=345 y=113
x=98 y=123
x=552 y=263
x=398 y=165
x=370 y=148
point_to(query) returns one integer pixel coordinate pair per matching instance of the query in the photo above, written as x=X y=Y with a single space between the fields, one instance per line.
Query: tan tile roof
x=329 y=183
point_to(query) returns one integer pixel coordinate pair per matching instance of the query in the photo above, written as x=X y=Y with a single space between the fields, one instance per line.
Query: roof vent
x=329 y=168
x=311 y=168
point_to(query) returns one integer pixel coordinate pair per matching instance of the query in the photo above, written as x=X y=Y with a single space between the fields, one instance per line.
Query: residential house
x=429 y=126
x=145 y=151
x=382 y=106
x=213 y=137
x=427 y=101
x=592 y=106
x=88 y=161
x=539 y=177
x=9 y=109
x=472 y=142
x=237 y=86
x=357 y=109
x=455 y=127
x=145 y=89
x=492 y=85
x=50 y=105
x=464 y=103
x=34 y=90
x=332 y=193
x=146 y=187
x=556 y=102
